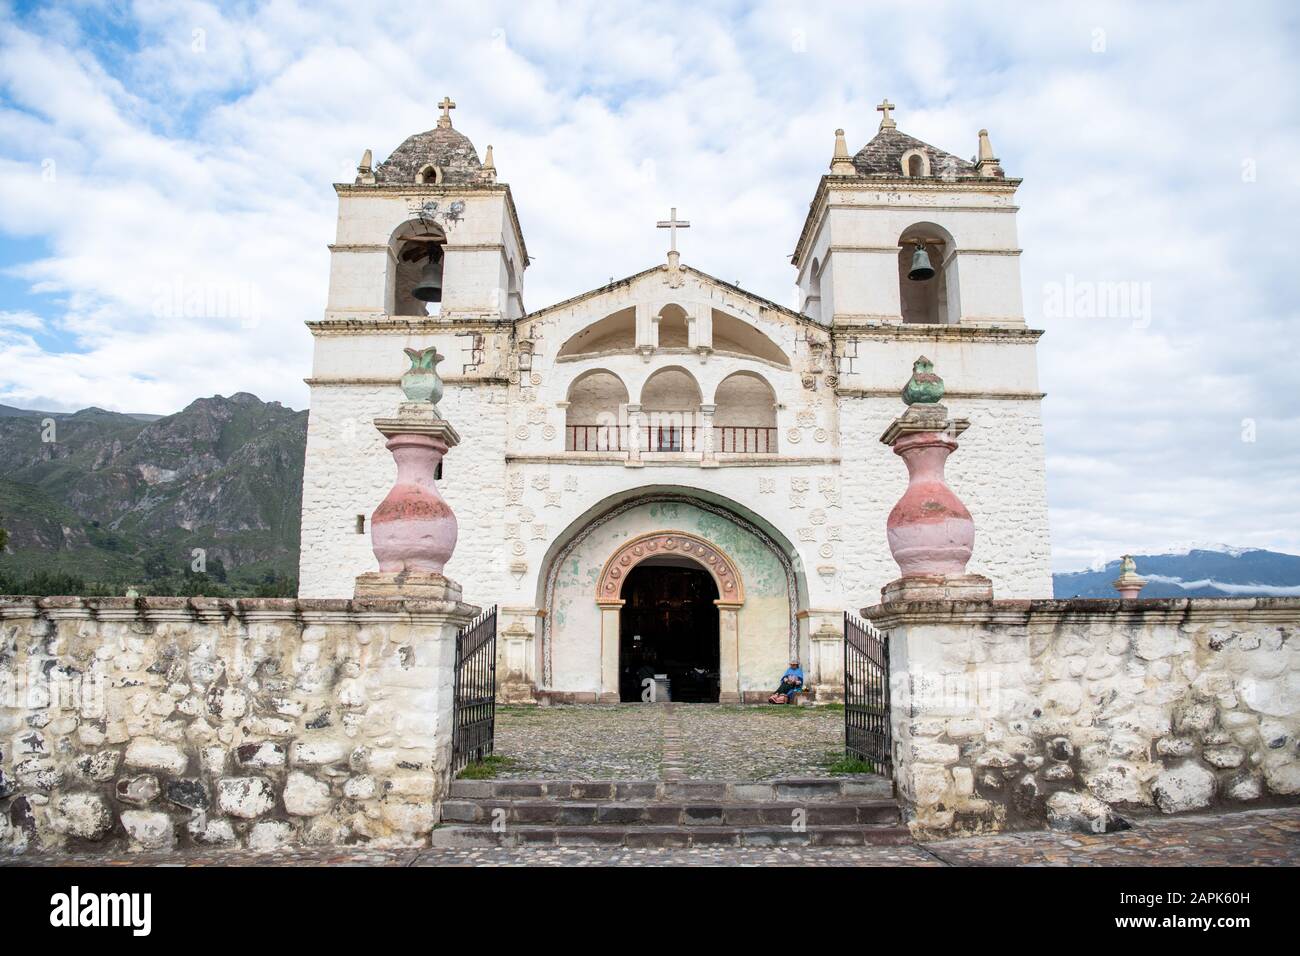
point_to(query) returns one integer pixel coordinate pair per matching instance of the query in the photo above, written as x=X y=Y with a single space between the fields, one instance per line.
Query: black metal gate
x=866 y=695
x=474 y=711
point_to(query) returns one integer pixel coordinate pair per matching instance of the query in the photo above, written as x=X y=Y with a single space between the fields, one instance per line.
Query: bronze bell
x=429 y=288
x=921 y=268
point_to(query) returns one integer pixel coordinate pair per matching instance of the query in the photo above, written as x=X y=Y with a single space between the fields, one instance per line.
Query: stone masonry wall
x=159 y=722
x=1017 y=714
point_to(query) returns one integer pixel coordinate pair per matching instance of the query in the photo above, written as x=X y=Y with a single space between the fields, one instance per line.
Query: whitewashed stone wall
x=168 y=722
x=1010 y=714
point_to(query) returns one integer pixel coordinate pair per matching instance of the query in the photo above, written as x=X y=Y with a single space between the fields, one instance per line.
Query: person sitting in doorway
x=791 y=684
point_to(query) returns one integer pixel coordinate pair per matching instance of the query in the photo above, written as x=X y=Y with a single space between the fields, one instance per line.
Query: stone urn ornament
x=422 y=383
x=413 y=531
x=1129 y=584
x=931 y=534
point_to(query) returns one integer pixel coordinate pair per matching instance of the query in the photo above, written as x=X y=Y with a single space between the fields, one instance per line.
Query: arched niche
x=410 y=246
x=674 y=331
x=929 y=301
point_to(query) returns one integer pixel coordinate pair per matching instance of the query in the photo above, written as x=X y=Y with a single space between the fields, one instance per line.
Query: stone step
x=459 y=835
x=787 y=789
x=690 y=813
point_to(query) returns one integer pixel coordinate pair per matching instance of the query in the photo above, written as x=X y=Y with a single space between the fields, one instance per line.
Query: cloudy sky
x=154 y=155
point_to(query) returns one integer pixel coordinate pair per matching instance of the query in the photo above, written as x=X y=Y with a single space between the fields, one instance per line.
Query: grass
x=839 y=764
x=487 y=768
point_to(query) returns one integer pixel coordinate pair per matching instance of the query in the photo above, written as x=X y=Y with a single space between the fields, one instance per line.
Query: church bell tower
x=428 y=232
x=902 y=232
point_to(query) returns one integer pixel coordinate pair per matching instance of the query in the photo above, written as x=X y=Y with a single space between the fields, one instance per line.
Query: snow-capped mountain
x=1194 y=570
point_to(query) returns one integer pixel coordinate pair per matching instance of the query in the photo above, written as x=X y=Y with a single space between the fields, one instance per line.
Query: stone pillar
x=931 y=536
x=826 y=654
x=729 y=653
x=708 y=457
x=413 y=532
x=610 y=612
x=634 y=436
x=516 y=655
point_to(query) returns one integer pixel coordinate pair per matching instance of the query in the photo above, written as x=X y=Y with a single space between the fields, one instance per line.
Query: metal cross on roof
x=672 y=224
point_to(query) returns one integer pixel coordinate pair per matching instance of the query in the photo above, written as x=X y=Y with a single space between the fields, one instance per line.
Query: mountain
x=1195 y=570
x=118 y=499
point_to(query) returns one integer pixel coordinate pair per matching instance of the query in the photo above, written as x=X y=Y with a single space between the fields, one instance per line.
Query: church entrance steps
x=779 y=789
x=671 y=813
x=679 y=836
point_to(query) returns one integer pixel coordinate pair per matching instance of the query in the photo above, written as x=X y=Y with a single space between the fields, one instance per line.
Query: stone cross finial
x=672 y=224
x=447 y=105
x=887 y=121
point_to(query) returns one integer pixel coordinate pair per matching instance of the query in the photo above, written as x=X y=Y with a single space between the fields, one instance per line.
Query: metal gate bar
x=474 y=708
x=866 y=695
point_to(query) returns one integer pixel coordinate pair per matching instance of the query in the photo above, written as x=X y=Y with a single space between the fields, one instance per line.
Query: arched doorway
x=668 y=626
x=761 y=583
x=704 y=658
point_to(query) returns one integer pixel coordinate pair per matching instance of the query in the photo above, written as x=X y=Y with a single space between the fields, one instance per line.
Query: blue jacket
x=794 y=672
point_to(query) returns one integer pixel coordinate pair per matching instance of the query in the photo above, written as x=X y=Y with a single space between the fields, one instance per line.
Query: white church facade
x=670 y=473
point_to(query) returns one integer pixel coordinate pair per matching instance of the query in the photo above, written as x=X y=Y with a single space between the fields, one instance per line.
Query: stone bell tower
x=428 y=254
x=896 y=195
x=431 y=200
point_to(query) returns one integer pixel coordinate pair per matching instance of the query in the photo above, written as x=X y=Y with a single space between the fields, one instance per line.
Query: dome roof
x=443 y=147
x=884 y=154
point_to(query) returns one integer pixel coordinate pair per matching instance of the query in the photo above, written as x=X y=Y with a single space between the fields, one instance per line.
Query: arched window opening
x=429 y=174
x=744 y=417
x=670 y=407
x=416 y=272
x=926 y=296
x=594 y=418
x=673 y=330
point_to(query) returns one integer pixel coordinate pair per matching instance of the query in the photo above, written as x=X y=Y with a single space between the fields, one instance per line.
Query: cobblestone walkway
x=1251 y=838
x=684 y=741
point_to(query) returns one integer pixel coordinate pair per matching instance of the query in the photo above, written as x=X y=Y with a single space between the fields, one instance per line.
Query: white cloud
x=208 y=169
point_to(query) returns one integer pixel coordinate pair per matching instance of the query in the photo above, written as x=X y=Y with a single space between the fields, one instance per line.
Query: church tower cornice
x=831 y=183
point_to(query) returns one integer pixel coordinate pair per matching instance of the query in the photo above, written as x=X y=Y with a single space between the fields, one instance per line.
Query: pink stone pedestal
x=413 y=531
x=931 y=534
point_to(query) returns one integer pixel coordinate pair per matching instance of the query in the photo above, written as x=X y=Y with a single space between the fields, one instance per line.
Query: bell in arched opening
x=429 y=286
x=921 y=268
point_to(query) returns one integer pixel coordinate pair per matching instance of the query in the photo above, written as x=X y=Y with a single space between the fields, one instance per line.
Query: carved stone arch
x=429 y=174
x=719 y=565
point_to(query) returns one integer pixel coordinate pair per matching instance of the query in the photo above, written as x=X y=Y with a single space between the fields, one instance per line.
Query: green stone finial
x=421 y=383
x=924 y=387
